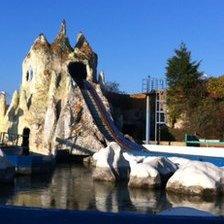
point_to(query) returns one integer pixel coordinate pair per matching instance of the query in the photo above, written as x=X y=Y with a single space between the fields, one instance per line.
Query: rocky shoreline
x=175 y=175
x=182 y=176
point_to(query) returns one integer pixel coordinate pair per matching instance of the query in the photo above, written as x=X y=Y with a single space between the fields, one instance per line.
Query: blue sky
x=132 y=38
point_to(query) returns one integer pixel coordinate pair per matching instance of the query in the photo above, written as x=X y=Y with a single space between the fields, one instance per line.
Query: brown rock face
x=50 y=102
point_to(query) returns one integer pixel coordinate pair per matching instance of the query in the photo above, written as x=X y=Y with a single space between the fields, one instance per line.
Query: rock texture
x=164 y=166
x=3 y=108
x=153 y=172
x=143 y=175
x=50 y=102
x=197 y=178
x=110 y=164
x=132 y=158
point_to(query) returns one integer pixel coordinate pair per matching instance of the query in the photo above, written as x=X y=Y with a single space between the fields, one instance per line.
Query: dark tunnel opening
x=78 y=72
x=25 y=141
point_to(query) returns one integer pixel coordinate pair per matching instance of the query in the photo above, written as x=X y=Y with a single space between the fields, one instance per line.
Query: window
x=29 y=74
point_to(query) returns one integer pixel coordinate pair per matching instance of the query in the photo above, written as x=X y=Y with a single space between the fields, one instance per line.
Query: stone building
x=49 y=106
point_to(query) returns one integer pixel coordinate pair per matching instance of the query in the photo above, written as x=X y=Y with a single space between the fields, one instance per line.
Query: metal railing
x=10 y=139
x=151 y=84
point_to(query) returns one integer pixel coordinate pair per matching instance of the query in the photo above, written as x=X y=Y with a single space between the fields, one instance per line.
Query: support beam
x=147 y=130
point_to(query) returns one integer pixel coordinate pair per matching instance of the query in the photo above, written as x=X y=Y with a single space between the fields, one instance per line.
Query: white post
x=156 y=109
x=147 y=130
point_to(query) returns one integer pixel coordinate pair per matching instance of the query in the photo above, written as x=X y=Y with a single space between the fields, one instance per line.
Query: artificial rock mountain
x=50 y=103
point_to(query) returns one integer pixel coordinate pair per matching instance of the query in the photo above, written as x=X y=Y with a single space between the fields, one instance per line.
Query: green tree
x=185 y=84
x=208 y=119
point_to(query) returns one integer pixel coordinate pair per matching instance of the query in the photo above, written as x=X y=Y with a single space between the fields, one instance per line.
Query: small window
x=29 y=75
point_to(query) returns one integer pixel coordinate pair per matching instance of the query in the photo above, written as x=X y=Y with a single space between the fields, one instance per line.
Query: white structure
x=155 y=86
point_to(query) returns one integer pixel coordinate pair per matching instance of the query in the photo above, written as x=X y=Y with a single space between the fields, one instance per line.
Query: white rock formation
x=143 y=175
x=50 y=124
x=110 y=164
x=101 y=78
x=197 y=178
x=179 y=161
x=165 y=167
x=2 y=109
x=132 y=158
x=151 y=173
x=50 y=102
x=2 y=104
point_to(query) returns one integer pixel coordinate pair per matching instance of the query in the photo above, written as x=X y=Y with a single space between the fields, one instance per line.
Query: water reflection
x=112 y=197
x=150 y=201
x=72 y=187
x=212 y=205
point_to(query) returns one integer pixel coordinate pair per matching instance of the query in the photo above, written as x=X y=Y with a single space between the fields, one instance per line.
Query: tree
x=208 y=119
x=112 y=87
x=185 y=84
x=215 y=87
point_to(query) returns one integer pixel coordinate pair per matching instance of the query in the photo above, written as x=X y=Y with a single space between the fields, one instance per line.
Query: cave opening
x=25 y=141
x=78 y=72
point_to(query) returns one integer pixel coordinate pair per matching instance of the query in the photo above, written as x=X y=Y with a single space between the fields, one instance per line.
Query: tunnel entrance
x=78 y=72
x=25 y=142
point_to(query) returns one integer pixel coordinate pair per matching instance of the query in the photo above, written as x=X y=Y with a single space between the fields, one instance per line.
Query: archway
x=25 y=142
x=78 y=72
